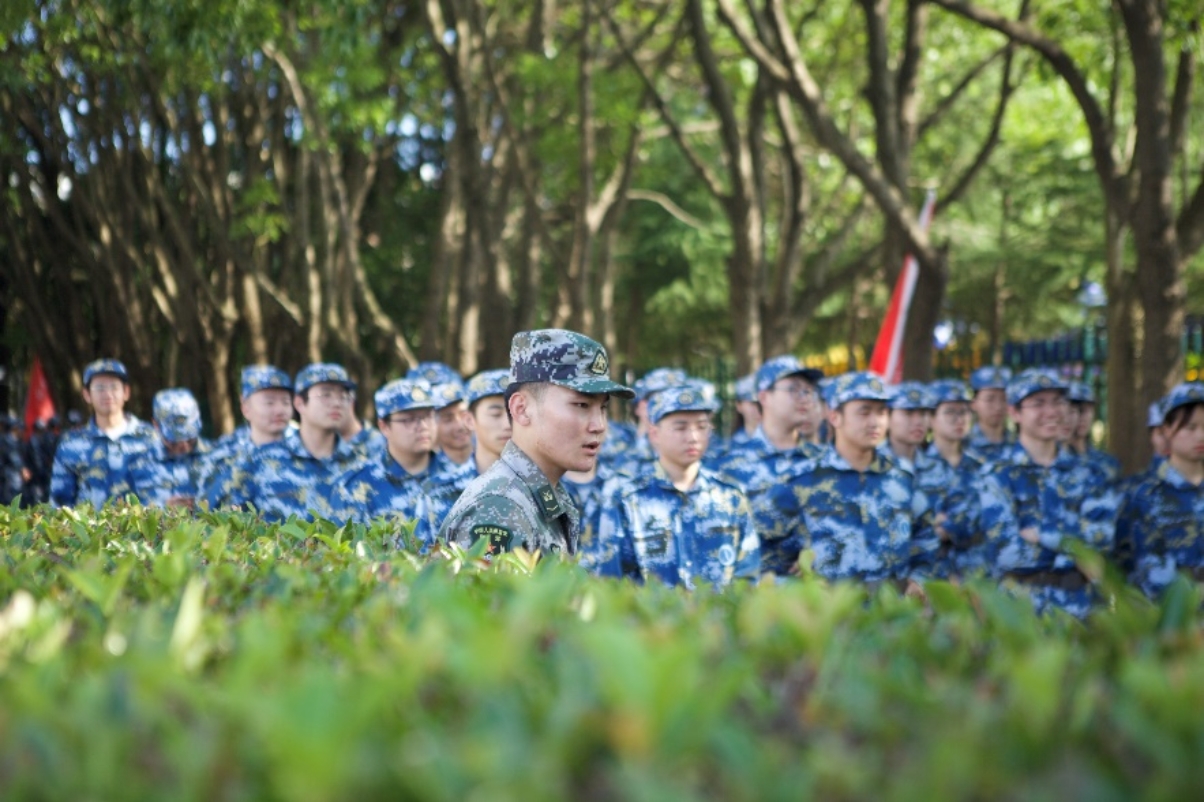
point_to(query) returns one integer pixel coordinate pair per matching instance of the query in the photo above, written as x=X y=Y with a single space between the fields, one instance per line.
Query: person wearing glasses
x=788 y=394
x=1038 y=497
x=92 y=464
x=949 y=475
x=291 y=476
x=676 y=521
x=391 y=484
x=267 y=405
x=559 y=390
x=863 y=517
x=452 y=436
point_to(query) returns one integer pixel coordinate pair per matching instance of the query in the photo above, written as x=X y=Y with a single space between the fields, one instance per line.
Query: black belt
x=1066 y=580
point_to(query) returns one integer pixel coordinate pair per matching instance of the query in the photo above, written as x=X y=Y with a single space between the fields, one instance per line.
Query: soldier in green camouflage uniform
x=557 y=403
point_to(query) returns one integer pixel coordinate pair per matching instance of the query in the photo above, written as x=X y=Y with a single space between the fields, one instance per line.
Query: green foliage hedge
x=146 y=654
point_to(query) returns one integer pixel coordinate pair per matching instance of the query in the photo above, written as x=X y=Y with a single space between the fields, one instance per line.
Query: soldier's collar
x=547 y=497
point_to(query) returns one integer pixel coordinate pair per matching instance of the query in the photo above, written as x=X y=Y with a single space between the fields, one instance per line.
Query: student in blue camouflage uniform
x=267 y=406
x=454 y=430
x=1037 y=496
x=557 y=398
x=169 y=474
x=910 y=405
x=639 y=451
x=990 y=437
x=748 y=411
x=676 y=521
x=391 y=484
x=1082 y=405
x=363 y=437
x=292 y=476
x=863 y=516
x=92 y=464
x=490 y=427
x=1161 y=517
x=787 y=394
x=950 y=475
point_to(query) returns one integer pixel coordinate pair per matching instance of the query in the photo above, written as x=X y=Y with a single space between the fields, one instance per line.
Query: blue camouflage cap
x=264 y=377
x=322 y=373
x=782 y=366
x=1154 y=415
x=990 y=377
x=177 y=415
x=448 y=393
x=487 y=383
x=910 y=395
x=746 y=388
x=565 y=358
x=1033 y=380
x=434 y=373
x=105 y=367
x=1080 y=393
x=948 y=391
x=861 y=386
x=400 y=395
x=654 y=381
x=1180 y=396
x=691 y=396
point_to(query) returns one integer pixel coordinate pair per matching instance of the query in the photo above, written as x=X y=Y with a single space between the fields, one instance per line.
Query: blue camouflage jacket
x=381 y=488
x=648 y=529
x=954 y=493
x=157 y=476
x=1161 y=523
x=282 y=478
x=758 y=464
x=988 y=450
x=91 y=467
x=1064 y=500
x=588 y=496
x=872 y=525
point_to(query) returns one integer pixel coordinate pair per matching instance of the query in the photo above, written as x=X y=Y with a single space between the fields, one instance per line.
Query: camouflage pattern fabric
x=588 y=497
x=177 y=415
x=565 y=358
x=1062 y=501
x=648 y=529
x=872 y=526
x=282 y=479
x=758 y=466
x=381 y=488
x=158 y=476
x=987 y=449
x=263 y=377
x=91 y=467
x=620 y=437
x=105 y=367
x=1160 y=526
x=512 y=505
x=445 y=488
x=954 y=493
x=217 y=471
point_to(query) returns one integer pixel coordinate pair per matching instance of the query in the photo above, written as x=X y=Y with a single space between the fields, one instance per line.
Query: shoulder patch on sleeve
x=499 y=536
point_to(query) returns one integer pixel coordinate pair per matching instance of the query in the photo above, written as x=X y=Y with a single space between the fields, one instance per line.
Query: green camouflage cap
x=563 y=357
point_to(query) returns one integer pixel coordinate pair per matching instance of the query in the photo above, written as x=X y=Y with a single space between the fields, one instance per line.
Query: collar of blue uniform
x=1015 y=454
x=548 y=498
x=399 y=475
x=759 y=442
x=1167 y=473
x=655 y=473
x=292 y=442
x=830 y=458
x=133 y=426
x=968 y=455
x=976 y=433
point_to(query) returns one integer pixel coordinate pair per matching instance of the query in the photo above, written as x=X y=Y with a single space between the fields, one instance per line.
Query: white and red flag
x=887 y=360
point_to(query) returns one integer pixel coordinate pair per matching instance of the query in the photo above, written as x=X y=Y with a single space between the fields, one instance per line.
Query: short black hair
x=534 y=389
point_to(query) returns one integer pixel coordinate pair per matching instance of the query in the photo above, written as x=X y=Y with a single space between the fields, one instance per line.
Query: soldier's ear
x=520 y=408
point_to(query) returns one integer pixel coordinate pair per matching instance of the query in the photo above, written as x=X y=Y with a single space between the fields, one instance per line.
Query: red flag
x=39 y=405
x=887 y=360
